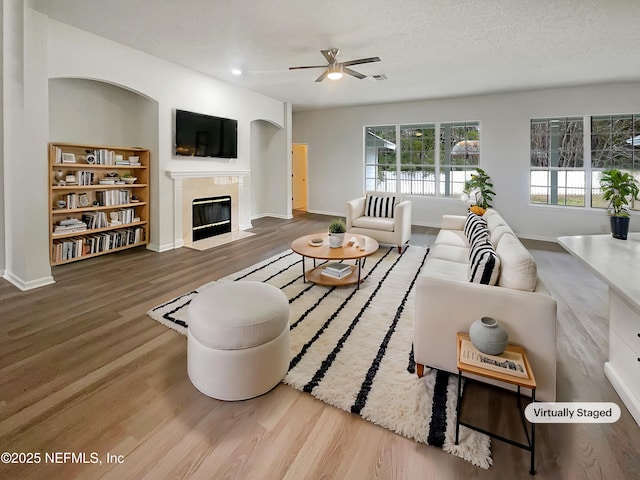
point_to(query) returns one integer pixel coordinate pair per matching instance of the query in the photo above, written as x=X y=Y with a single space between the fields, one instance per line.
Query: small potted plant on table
x=619 y=188
x=337 y=229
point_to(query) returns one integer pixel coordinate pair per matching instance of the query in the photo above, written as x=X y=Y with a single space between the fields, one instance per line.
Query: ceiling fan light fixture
x=335 y=72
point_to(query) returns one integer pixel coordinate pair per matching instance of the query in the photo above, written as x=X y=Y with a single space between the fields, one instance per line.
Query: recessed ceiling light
x=236 y=71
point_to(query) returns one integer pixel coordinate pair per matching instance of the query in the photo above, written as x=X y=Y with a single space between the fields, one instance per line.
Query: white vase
x=336 y=240
x=488 y=336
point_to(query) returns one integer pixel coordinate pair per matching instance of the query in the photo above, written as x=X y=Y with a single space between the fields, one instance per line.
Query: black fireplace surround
x=211 y=216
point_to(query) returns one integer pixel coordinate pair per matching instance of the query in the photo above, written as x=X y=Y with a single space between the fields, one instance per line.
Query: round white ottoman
x=238 y=339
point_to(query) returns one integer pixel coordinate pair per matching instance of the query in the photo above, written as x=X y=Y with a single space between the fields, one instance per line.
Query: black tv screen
x=199 y=135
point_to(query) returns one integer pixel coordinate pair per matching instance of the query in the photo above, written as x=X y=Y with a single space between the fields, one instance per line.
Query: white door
x=299 y=176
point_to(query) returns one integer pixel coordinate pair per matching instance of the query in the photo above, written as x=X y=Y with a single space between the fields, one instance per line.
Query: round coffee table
x=303 y=247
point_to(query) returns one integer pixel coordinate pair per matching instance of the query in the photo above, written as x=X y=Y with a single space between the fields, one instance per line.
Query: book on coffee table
x=336 y=270
x=509 y=363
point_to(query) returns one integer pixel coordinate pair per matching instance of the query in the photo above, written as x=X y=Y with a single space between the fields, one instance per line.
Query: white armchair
x=380 y=215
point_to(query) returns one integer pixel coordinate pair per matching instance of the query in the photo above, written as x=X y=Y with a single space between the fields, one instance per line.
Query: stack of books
x=337 y=270
x=70 y=225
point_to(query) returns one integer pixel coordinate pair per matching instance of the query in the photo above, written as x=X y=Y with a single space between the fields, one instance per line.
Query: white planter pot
x=336 y=240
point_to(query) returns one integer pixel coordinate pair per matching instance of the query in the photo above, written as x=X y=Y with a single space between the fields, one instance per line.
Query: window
x=433 y=159
x=615 y=143
x=557 y=174
x=568 y=155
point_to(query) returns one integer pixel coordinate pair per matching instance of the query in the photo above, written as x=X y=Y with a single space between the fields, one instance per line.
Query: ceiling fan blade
x=308 y=66
x=362 y=60
x=353 y=73
x=323 y=76
x=330 y=55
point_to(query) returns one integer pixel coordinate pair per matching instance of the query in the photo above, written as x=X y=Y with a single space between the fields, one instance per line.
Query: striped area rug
x=353 y=348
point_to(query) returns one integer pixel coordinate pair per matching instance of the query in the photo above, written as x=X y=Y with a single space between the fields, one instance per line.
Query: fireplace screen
x=211 y=216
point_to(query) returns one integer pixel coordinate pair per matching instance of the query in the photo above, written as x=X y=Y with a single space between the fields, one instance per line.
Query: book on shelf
x=95 y=220
x=509 y=363
x=70 y=225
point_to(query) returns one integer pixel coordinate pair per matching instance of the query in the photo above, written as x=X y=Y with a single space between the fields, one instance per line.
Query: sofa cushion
x=456 y=238
x=518 y=268
x=493 y=219
x=380 y=206
x=484 y=263
x=452 y=253
x=374 y=223
x=444 y=270
x=497 y=232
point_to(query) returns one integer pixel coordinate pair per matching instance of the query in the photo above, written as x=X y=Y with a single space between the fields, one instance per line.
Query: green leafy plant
x=618 y=188
x=337 y=226
x=480 y=182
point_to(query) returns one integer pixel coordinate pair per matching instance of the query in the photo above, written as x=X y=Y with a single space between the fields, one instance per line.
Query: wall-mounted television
x=199 y=135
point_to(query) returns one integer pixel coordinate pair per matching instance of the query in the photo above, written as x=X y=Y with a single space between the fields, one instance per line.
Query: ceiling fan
x=334 y=69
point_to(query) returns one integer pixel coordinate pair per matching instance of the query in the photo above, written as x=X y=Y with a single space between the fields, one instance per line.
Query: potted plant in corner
x=337 y=229
x=479 y=188
x=619 y=188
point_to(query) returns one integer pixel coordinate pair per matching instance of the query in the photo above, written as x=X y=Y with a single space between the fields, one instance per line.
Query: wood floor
x=84 y=370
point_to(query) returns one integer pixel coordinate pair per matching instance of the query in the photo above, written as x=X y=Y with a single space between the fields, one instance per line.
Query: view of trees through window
x=421 y=159
x=568 y=155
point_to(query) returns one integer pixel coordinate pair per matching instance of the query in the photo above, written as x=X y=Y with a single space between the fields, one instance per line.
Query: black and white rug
x=353 y=348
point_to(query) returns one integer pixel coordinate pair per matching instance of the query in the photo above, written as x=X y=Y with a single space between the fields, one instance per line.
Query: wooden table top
x=301 y=245
x=503 y=377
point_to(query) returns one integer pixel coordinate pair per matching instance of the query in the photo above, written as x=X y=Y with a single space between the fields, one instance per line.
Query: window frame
x=591 y=185
x=439 y=185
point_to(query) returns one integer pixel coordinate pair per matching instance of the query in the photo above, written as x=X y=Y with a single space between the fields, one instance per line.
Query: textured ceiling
x=428 y=48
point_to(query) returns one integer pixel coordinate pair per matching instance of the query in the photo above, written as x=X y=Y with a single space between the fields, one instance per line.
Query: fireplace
x=211 y=216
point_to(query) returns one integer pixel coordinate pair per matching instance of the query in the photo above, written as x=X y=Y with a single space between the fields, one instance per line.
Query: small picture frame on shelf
x=83 y=200
x=68 y=158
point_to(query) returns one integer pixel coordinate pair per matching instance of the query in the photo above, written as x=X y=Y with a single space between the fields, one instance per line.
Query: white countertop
x=615 y=261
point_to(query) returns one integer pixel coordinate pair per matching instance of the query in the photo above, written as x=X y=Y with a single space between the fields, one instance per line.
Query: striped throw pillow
x=475 y=227
x=484 y=263
x=380 y=206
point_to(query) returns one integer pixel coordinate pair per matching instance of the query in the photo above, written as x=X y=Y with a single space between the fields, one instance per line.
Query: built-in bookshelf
x=98 y=200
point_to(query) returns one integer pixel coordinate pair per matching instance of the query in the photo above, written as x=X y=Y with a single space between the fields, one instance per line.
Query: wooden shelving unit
x=94 y=203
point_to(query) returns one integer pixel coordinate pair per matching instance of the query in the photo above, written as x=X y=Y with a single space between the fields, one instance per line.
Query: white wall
x=270 y=176
x=25 y=132
x=74 y=53
x=336 y=171
x=87 y=111
x=57 y=52
x=2 y=220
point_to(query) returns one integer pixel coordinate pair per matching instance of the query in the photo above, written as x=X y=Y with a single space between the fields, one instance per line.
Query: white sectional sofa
x=447 y=301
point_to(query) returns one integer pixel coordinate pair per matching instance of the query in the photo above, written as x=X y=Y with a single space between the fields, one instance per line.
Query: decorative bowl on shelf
x=128 y=179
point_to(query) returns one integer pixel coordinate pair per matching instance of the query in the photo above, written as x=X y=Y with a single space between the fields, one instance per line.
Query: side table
x=529 y=382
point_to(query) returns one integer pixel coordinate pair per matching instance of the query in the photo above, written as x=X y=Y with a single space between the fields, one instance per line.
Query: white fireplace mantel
x=179 y=176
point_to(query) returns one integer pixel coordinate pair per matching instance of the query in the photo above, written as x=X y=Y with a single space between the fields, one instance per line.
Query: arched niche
x=92 y=111
x=270 y=183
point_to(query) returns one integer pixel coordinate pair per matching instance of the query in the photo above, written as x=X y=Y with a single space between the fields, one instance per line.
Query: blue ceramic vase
x=488 y=336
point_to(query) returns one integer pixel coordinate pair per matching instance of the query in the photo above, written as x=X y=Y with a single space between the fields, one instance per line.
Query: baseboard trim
x=163 y=248
x=25 y=285
x=274 y=215
x=323 y=212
